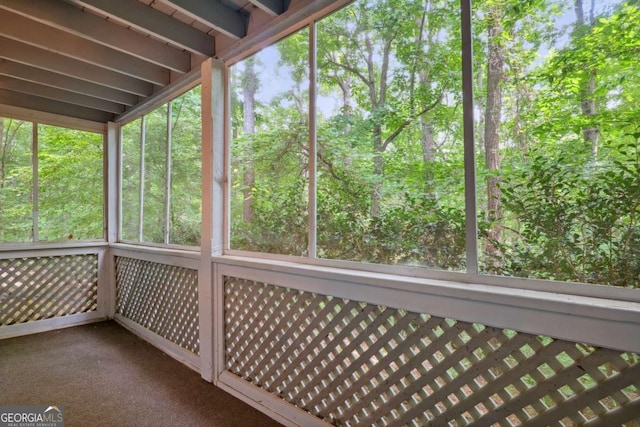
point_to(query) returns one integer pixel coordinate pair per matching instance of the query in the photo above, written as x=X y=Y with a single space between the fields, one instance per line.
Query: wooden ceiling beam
x=214 y=14
x=73 y=20
x=272 y=7
x=48 y=92
x=24 y=30
x=50 y=61
x=47 y=78
x=154 y=22
x=38 y=103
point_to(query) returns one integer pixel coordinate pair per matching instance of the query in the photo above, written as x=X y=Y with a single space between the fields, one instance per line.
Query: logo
x=31 y=416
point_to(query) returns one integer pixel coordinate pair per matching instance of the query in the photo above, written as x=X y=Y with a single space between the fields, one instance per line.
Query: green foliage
x=70 y=184
x=183 y=174
x=270 y=161
x=16 y=181
x=389 y=168
x=416 y=232
x=130 y=172
x=576 y=221
x=389 y=159
x=186 y=170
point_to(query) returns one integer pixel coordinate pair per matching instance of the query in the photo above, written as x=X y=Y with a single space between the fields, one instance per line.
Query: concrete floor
x=105 y=376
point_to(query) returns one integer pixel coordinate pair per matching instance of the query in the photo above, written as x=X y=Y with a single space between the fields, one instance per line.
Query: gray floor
x=105 y=376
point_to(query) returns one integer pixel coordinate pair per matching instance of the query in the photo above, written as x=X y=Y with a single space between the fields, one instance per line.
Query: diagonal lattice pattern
x=162 y=298
x=46 y=287
x=352 y=363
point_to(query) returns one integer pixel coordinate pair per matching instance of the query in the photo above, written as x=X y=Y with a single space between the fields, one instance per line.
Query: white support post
x=143 y=138
x=471 y=233
x=34 y=186
x=112 y=181
x=213 y=187
x=107 y=279
x=167 y=185
x=313 y=143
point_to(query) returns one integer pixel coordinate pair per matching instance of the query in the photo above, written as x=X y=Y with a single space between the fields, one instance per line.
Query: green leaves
x=390 y=170
x=70 y=184
x=575 y=221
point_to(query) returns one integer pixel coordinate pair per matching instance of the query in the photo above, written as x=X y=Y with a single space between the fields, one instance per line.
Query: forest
x=160 y=171
x=361 y=158
x=51 y=183
x=376 y=148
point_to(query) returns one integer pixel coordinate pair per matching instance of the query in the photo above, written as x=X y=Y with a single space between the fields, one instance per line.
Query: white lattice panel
x=46 y=287
x=352 y=363
x=162 y=298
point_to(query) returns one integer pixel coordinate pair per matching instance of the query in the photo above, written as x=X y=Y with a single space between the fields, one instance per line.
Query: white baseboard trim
x=46 y=325
x=170 y=348
x=267 y=403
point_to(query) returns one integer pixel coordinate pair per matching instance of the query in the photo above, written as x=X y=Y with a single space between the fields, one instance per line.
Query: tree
x=389 y=147
x=371 y=52
x=70 y=184
x=250 y=85
x=493 y=117
x=269 y=144
x=186 y=171
x=588 y=82
x=16 y=222
x=573 y=214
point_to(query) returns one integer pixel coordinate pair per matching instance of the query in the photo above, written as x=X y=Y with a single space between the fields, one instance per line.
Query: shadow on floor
x=105 y=376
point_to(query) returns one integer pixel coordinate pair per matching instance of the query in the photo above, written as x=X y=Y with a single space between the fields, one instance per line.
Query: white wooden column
x=212 y=235
x=107 y=278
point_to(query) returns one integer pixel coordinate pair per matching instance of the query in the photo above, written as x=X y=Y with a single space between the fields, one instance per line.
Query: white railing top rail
x=607 y=323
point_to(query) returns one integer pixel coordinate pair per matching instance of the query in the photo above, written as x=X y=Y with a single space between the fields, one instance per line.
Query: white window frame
x=164 y=97
x=472 y=274
x=49 y=119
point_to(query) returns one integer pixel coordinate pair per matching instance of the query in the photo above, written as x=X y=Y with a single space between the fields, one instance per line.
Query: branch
x=351 y=70
x=410 y=120
x=319 y=155
x=329 y=166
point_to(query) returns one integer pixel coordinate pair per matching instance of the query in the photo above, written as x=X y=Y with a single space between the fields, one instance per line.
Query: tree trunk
x=480 y=101
x=428 y=142
x=377 y=99
x=428 y=154
x=588 y=86
x=345 y=86
x=588 y=104
x=378 y=171
x=250 y=83
x=495 y=77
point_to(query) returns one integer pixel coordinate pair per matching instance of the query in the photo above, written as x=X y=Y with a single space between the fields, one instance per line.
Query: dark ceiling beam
x=27 y=31
x=214 y=14
x=154 y=22
x=59 y=95
x=272 y=7
x=47 y=78
x=40 y=58
x=89 y=26
x=38 y=103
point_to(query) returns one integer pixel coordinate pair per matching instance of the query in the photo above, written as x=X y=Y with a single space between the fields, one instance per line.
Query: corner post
x=212 y=233
x=107 y=279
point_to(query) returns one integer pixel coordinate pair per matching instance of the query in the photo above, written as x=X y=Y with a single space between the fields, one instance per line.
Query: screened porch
x=378 y=212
